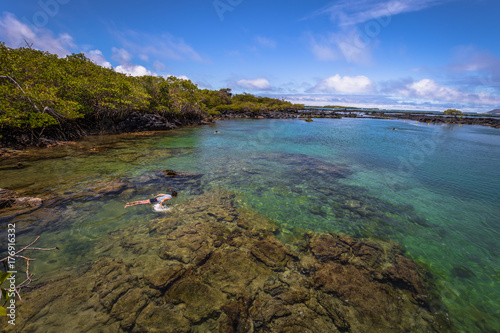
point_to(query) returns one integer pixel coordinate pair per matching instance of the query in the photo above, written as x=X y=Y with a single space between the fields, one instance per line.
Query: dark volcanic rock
x=259 y=115
x=210 y=267
x=439 y=119
x=138 y=121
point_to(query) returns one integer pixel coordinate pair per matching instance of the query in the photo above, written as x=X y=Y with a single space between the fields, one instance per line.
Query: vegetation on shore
x=453 y=112
x=40 y=90
x=340 y=107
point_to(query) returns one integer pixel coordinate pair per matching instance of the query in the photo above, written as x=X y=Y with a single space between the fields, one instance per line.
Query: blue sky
x=397 y=54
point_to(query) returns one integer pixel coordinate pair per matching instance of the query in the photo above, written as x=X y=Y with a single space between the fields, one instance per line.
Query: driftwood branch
x=59 y=117
x=29 y=276
x=13 y=81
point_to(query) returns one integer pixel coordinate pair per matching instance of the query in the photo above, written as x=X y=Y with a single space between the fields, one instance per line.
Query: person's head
x=174 y=193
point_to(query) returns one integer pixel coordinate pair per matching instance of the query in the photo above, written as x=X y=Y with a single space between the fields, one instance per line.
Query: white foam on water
x=159 y=208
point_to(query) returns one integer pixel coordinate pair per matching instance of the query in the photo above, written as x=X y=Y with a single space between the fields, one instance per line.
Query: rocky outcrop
x=12 y=205
x=208 y=266
x=437 y=119
x=137 y=122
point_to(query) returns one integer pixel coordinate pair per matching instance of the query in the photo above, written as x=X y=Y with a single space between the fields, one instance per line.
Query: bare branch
x=41 y=249
x=29 y=276
x=53 y=113
x=13 y=81
x=59 y=117
x=30 y=46
x=20 y=88
x=21 y=250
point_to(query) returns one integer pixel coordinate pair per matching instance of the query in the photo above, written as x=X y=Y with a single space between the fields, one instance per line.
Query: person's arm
x=159 y=195
x=164 y=200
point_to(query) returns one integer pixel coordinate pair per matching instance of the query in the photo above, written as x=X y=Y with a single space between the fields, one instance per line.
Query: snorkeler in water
x=159 y=198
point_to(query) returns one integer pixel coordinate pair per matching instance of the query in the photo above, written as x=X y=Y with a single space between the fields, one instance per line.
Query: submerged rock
x=462 y=272
x=12 y=205
x=188 y=182
x=181 y=174
x=7 y=197
x=209 y=266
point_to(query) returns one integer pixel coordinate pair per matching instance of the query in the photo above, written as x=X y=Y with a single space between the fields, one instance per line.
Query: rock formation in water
x=208 y=266
x=11 y=204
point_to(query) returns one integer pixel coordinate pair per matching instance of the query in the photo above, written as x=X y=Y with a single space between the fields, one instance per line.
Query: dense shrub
x=39 y=89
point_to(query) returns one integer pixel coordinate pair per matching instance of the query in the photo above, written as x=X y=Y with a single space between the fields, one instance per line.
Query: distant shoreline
x=424 y=117
x=139 y=122
x=491 y=121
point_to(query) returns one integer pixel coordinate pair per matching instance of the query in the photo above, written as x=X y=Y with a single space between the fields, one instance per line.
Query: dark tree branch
x=30 y=46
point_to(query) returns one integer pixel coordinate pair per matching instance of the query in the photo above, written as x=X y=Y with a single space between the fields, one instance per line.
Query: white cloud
x=348 y=43
x=478 y=69
x=348 y=13
x=266 y=42
x=126 y=67
x=98 y=58
x=159 y=66
x=345 y=85
x=256 y=84
x=162 y=46
x=133 y=70
x=121 y=55
x=427 y=89
x=15 y=33
x=353 y=40
x=323 y=50
x=355 y=47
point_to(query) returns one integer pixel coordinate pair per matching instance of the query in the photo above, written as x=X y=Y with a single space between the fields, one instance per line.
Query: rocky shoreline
x=80 y=128
x=493 y=122
x=423 y=118
x=209 y=266
x=11 y=140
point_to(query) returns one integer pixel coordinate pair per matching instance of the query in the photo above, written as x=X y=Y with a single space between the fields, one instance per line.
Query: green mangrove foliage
x=39 y=89
x=6 y=293
x=453 y=112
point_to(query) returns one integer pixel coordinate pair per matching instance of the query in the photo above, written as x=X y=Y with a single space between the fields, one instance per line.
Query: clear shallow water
x=434 y=189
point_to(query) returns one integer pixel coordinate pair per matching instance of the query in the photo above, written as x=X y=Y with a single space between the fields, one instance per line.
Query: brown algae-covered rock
x=208 y=266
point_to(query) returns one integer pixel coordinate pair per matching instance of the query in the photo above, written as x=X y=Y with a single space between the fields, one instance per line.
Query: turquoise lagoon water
x=432 y=188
